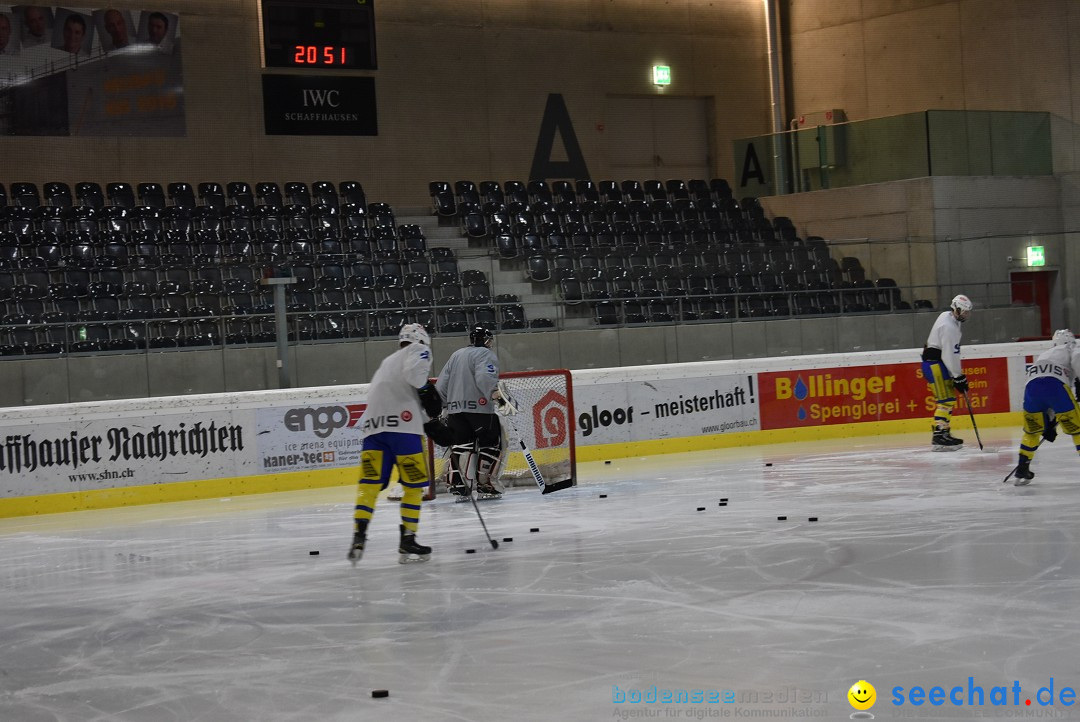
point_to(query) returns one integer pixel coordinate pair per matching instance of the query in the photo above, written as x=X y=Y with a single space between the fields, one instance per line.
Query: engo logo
x=324 y=419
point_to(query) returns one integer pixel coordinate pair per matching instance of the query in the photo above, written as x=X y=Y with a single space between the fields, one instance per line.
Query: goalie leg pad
x=488 y=470
x=462 y=474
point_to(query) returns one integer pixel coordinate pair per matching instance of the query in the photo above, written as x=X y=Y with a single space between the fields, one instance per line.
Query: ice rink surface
x=922 y=569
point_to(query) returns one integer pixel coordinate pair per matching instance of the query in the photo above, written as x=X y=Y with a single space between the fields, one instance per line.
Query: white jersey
x=468 y=380
x=945 y=335
x=1059 y=362
x=393 y=404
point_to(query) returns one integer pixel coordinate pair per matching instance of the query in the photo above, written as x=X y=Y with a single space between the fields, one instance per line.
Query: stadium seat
x=151 y=195
x=213 y=196
x=25 y=195
x=352 y=192
x=181 y=195
x=239 y=194
x=58 y=195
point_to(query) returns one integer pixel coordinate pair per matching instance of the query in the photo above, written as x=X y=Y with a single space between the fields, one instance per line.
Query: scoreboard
x=332 y=34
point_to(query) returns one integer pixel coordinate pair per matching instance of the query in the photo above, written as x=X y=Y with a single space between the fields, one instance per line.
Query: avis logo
x=550 y=420
x=325 y=419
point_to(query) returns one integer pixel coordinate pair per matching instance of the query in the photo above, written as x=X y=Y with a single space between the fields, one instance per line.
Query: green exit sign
x=661 y=75
x=1036 y=256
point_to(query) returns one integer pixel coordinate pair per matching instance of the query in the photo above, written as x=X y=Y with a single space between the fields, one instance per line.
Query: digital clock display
x=328 y=55
x=320 y=33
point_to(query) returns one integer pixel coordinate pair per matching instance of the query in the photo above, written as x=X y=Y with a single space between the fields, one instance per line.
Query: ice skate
x=944 y=441
x=409 y=550
x=1023 y=475
x=487 y=491
x=359 y=538
x=459 y=489
x=357 y=549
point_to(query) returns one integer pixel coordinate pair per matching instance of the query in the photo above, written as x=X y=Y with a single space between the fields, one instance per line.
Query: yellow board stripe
x=293 y=481
x=683 y=444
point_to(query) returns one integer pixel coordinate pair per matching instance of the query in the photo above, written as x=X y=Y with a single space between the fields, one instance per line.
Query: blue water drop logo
x=800 y=391
x=802 y=414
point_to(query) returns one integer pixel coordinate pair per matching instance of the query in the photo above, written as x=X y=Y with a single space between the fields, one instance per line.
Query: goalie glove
x=430 y=400
x=504 y=402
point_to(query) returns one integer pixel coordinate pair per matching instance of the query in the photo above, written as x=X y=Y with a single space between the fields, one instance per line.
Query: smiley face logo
x=862 y=695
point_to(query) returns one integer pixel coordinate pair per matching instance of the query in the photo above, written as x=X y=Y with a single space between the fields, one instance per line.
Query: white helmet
x=961 y=307
x=414 y=333
x=1064 y=337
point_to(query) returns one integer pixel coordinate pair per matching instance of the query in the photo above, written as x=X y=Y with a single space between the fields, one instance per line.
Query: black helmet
x=479 y=336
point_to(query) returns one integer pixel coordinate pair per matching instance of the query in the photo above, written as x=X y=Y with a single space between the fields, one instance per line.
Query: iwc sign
x=319 y=105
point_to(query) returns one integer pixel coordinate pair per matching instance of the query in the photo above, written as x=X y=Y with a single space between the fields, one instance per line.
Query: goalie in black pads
x=468 y=385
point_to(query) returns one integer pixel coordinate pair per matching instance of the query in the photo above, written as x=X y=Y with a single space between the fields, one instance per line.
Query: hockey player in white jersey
x=468 y=385
x=1049 y=399
x=942 y=371
x=392 y=429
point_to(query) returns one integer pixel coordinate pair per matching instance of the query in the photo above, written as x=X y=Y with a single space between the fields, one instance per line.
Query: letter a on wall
x=557 y=119
x=751 y=169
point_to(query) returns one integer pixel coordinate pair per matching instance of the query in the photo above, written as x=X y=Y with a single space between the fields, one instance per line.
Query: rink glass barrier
x=72 y=457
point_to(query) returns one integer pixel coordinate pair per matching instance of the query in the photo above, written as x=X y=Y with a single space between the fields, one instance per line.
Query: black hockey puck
x=813 y=518
x=701 y=508
x=314 y=553
x=723 y=503
x=607 y=462
x=508 y=538
x=535 y=528
x=768 y=464
x=470 y=551
x=603 y=496
x=724 y=499
x=781 y=518
x=377 y=693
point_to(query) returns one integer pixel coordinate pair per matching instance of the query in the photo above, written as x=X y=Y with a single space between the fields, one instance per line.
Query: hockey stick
x=494 y=544
x=509 y=408
x=1009 y=476
x=529 y=460
x=971 y=413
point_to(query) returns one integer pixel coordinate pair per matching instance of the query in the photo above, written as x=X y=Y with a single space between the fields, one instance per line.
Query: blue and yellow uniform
x=942 y=371
x=392 y=428
x=1049 y=400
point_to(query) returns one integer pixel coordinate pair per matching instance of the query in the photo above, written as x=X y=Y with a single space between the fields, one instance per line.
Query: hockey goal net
x=545 y=421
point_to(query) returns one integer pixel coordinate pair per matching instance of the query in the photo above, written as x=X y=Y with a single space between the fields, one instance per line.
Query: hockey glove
x=961 y=384
x=430 y=400
x=1049 y=427
x=439 y=432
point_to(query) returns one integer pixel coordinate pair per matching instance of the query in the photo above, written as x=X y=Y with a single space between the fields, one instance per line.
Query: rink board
x=118 y=453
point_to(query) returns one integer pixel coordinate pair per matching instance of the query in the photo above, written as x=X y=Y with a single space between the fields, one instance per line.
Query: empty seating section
x=661 y=251
x=120 y=267
x=176 y=266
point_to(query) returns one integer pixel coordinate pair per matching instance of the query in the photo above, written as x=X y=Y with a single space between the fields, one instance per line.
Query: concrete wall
x=123 y=376
x=884 y=57
x=948 y=235
x=461 y=89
